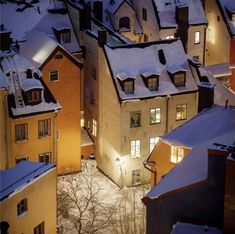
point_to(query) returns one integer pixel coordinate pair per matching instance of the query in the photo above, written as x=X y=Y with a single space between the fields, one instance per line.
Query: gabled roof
x=21 y=23
x=137 y=59
x=39 y=48
x=166 y=10
x=20 y=176
x=220 y=128
x=224 y=6
x=114 y=7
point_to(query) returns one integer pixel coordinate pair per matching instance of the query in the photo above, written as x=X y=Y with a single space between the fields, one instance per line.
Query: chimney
x=5 y=39
x=206 y=95
x=102 y=37
x=85 y=18
x=98 y=10
x=182 y=18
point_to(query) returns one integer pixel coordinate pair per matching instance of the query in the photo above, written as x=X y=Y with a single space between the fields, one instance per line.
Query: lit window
x=22 y=207
x=155 y=116
x=129 y=86
x=196 y=37
x=135 y=149
x=177 y=154
x=136 y=176
x=135 y=118
x=94 y=127
x=39 y=229
x=22 y=158
x=65 y=37
x=152 y=83
x=144 y=14
x=54 y=75
x=33 y=96
x=152 y=142
x=21 y=132
x=44 y=128
x=170 y=37
x=181 y=112
x=45 y=157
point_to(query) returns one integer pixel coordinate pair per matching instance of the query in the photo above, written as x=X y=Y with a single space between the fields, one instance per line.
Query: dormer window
x=177 y=75
x=230 y=10
x=151 y=80
x=62 y=32
x=233 y=17
x=34 y=96
x=127 y=82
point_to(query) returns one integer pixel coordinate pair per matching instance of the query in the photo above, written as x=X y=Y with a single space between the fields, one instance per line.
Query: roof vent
x=161 y=56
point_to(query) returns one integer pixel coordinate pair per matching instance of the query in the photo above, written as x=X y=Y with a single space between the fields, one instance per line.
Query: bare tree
x=83 y=210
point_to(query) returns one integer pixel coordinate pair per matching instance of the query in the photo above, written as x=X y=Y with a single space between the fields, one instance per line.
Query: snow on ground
x=89 y=202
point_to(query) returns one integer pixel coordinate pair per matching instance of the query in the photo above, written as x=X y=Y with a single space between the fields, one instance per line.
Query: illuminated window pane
x=155 y=116
x=135 y=148
x=152 y=83
x=170 y=37
x=177 y=154
x=196 y=37
x=136 y=176
x=152 y=142
x=181 y=112
x=128 y=87
x=179 y=79
x=94 y=127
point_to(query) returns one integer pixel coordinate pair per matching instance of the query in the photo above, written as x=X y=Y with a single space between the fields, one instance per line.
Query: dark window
x=135 y=119
x=39 y=229
x=58 y=57
x=181 y=112
x=136 y=176
x=22 y=158
x=92 y=97
x=33 y=96
x=22 y=207
x=128 y=86
x=146 y=37
x=179 y=79
x=144 y=14
x=54 y=75
x=44 y=128
x=45 y=157
x=65 y=37
x=153 y=83
x=124 y=22
x=21 y=132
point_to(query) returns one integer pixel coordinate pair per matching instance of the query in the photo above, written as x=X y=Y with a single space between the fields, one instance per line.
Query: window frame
x=21 y=158
x=182 y=117
x=144 y=14
x=182 y=78
x=94 y=127
x=197 y=37
x=153 y=143
x=50 y=75
x=46 y=123
x=177 y=154
x=40 y=228
x=43 y=155
x=128 y=86
x=20 y=139
x=65 y=37
x=122 y=22
x=136 y=122
x=31 y=96
x=156 y=120
x=135 y=150
x=136 y=177
x=22 y=207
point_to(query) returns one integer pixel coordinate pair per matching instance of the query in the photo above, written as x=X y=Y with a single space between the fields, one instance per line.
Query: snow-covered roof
x=30 y=19
x=228 y=5
x=220 y=125
x=141 y=58
x=3 y=82
x=167 y=12
x=125 y=75
x=29 y=84
x=219 y=70
x=15 y=68
x=114 y=6
x=20 y=176
x=173 y=68
x=183 y=228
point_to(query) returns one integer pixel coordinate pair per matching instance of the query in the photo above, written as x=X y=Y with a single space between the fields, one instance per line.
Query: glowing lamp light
x=118 y=161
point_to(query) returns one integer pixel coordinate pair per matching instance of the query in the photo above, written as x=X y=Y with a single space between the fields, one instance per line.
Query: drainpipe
x=55 y=137
x=146 y=163
x=167 y=110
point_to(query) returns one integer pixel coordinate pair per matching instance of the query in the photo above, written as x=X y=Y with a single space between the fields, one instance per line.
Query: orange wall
x=34 y=145
x=67 y=92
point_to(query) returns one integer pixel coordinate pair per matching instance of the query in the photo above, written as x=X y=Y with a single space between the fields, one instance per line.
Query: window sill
x=21 y=141
x=43 y=137
x=135 y=126
x=22 y=214
x=180 y=119
x=155 y=123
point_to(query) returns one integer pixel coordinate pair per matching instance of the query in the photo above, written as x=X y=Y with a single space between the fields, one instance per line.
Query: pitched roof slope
x=220 y=128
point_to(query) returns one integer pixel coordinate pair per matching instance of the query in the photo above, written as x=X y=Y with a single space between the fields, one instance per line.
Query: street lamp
x=119 y=162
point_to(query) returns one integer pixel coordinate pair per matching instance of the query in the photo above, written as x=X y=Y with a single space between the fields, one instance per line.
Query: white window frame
x=44 y=128
x=197 y=37
x=182 y=114
x=135 y=149
x=21 y=132
x=177 y=154
x=94 y=127
x=22 y=207
x=157 y=115
x=152 y=142
x=55 y=73
x=43 y=157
